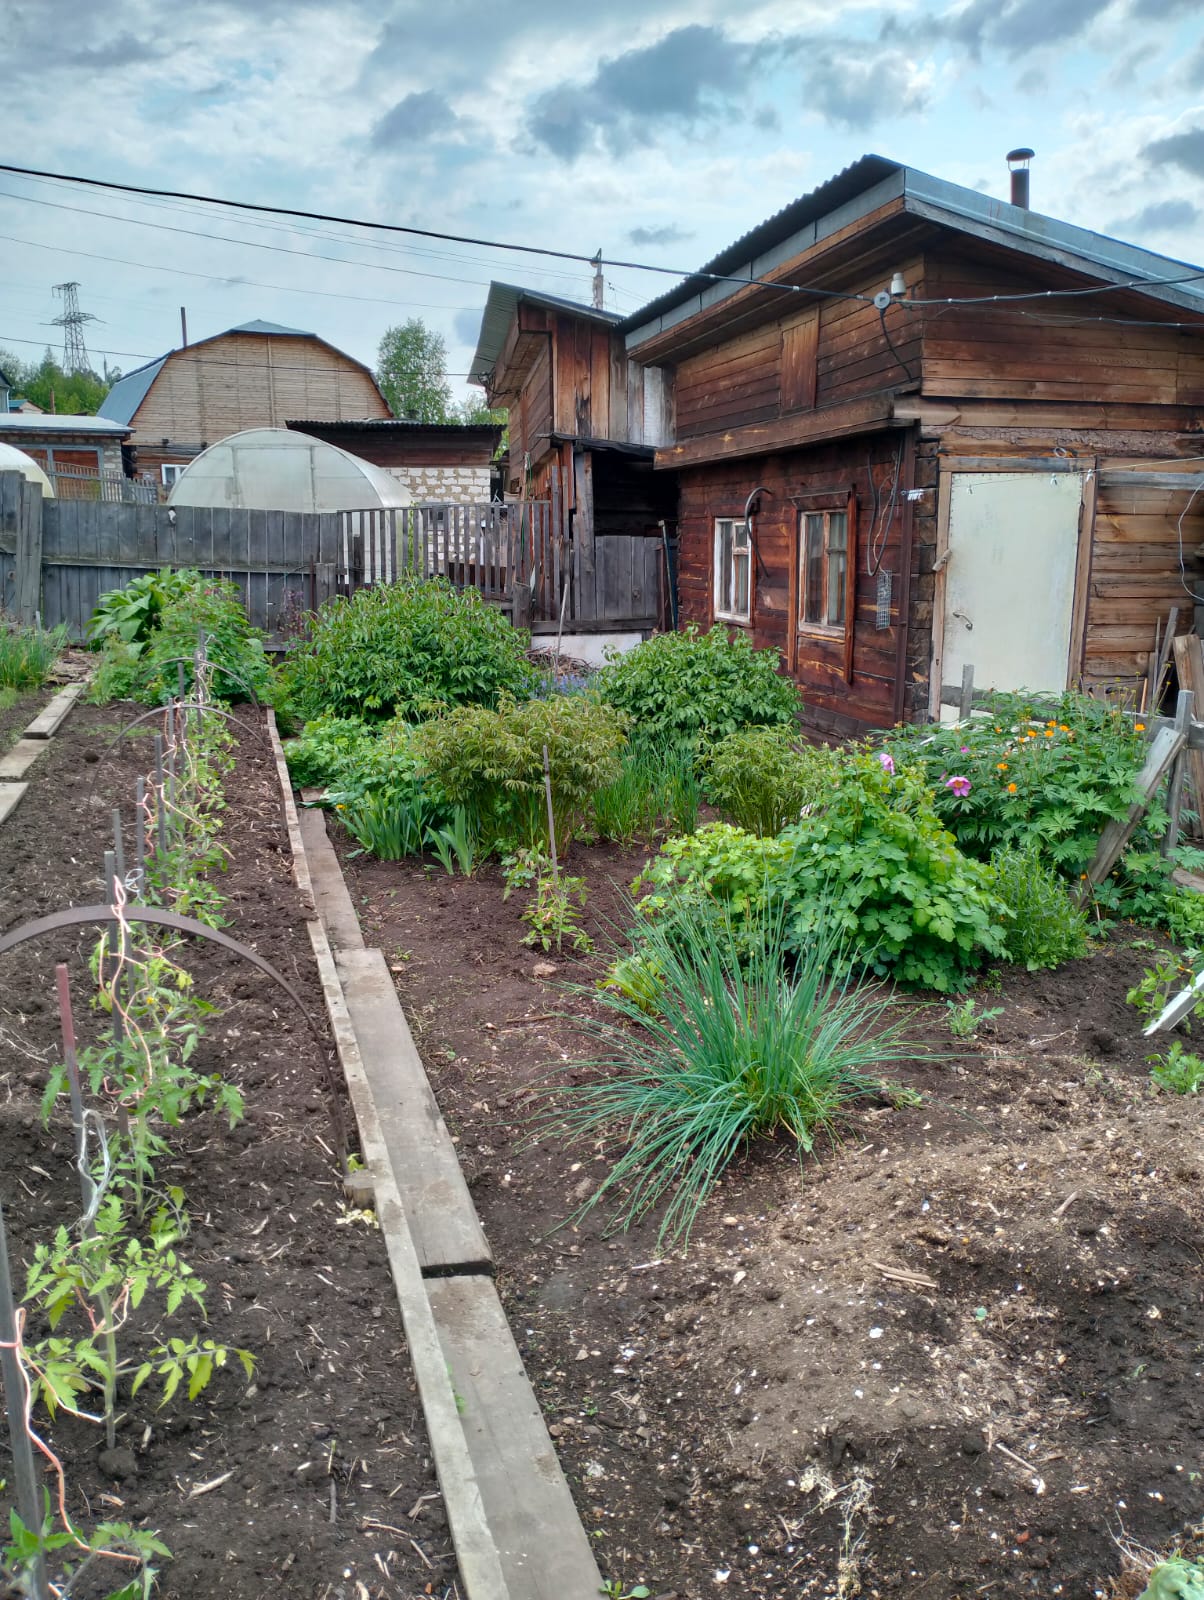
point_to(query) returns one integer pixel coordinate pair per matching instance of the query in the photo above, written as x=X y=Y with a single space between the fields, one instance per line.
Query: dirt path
x=956 y=1357
x=321 y=1482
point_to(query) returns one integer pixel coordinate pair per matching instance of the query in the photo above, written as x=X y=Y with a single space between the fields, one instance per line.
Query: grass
x=654 y=789
x=733 y=1043
x=27 y=655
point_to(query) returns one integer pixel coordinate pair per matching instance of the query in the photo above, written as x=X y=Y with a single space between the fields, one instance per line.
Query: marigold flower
x=1012 y=788
x=1001 y=766
x=1139 y=727
x=1049 y=733
x=959 y=784
x=1065 y=727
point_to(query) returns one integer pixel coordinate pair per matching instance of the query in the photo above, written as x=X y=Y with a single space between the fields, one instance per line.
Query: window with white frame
x=733 y=570
x=170 y=471
x=823 y=571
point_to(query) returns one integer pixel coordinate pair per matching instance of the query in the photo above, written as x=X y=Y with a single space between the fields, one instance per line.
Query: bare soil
x=314 y=1480
x=958 y=1356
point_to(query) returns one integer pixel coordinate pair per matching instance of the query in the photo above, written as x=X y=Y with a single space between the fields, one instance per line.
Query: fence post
x=1174 y=798
x=28 y=565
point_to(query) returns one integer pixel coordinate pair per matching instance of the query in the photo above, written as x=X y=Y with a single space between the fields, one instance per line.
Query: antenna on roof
x=599 y=283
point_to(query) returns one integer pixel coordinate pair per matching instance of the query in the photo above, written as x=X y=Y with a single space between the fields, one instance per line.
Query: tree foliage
x=47 y=385
x=411 y=369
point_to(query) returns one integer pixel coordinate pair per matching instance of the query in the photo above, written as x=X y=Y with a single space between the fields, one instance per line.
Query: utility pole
x=599 y=283
x=75 y=351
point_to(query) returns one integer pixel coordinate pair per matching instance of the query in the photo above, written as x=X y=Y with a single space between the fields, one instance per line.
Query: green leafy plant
x=697 y=687
x=1175 y=1579
x=405 y=648
x=655 y=788
x=132 y=613
x=616 y=1589
x=1047 y=927
x=455 y=845
x=69 y=1552
x=27 y=655
x=1177 y=1070
x=491 y=763
x=751 y=1036
x=965 y=1019
x=1159 y=984
x=763 y=778
x=553 y=914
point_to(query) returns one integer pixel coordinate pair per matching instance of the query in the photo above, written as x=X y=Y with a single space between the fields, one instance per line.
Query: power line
x=217 y=277
x=72 y=320
x=185 y=354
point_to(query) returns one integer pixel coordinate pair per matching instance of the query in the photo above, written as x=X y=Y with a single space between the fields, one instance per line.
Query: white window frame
x=825 y=625
x=170 y=471
x=727 y=569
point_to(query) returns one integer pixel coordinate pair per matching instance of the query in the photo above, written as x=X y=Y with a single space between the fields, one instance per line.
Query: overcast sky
x=655 y=130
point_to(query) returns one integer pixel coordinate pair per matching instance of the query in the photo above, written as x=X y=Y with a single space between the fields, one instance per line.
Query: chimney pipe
x=1018 y=161
x=183 y=328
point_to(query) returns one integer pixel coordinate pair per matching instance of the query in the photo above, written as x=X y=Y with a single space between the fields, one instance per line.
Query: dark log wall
x=1039 y=351
x=796 y=482
x=810 y=356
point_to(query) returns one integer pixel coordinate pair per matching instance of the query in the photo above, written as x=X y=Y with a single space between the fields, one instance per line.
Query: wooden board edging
x=51 y=718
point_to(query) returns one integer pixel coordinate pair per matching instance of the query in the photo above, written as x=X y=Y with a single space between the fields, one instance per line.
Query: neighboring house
x=583 y=424
x=958 y=473
x=6 y=392
x=79 y=446
x=439 y=463
x=253 y=376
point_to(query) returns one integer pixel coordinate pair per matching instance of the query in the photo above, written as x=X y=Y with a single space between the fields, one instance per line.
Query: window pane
x=740 y=570
x=740 y=539
x=837 y=577
x=813 y=568
x=838 y=530
x=723 y=566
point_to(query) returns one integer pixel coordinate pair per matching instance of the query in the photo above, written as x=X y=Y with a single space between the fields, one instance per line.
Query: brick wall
x=457 y=486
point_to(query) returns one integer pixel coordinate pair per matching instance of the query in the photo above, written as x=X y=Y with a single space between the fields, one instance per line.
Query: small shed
x=278 y=469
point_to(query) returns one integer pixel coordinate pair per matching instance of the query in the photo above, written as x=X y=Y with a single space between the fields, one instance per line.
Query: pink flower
x=965 y=749
x=959 y=785
x=888 y=763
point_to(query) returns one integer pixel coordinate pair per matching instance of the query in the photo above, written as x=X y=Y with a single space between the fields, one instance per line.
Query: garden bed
x=958 y=1356
x=313 y=1480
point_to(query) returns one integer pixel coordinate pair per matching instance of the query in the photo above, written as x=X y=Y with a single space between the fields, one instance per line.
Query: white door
x=1009 y=579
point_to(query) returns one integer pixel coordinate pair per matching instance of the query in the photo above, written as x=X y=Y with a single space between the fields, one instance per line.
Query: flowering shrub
x=1051 y=775
x=875 y=866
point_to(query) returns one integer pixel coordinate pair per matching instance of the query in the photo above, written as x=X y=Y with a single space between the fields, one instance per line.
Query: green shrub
x=27 y=655
x=491 y=762
x=697 y=687
x=1046 y=926
x=763 y=779
x=188 y=606
x=722 y=1048
x=406 y=648
x=389 y=823
x=876 y=863
x=132 y=613
x=349 y=757
x=1050 y=773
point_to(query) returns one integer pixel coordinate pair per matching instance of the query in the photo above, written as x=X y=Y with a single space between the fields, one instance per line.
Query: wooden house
x=935 y=431
x=585 y=425
x=257 y=375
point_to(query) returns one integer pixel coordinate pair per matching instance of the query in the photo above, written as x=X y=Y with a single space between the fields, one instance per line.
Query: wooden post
x=967 y=700
x=28 y=565
x=1167 y=744
x=1174 y=799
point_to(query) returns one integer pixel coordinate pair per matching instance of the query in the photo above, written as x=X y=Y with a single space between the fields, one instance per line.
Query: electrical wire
x=217 y=277
x=185 y=354
x=890 y=345
x=1197 y=599
x=876 y=545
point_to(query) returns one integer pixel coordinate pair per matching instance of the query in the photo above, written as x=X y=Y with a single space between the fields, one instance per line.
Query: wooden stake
x=547 y=788
x=29 y=1503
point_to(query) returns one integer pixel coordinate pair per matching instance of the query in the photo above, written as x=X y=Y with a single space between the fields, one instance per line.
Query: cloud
x=692 y=74
x=420 y=116
x=1160 y=216
x=669 y=233
x=467 y=325
x=853 y=88
x=1015 y=27
x=1184 y=150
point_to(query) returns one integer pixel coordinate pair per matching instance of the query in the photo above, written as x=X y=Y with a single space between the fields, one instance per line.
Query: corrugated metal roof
x=503 y=302
x=268 y=327
x=128 y=393
x=869 y=183
x=393 y=422
x=60 y=422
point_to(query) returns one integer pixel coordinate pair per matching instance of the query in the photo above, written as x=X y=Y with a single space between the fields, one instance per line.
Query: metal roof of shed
x=61 y=422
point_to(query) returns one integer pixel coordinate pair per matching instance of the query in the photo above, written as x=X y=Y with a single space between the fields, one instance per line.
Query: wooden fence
x=57 y=557
x=78 y=483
